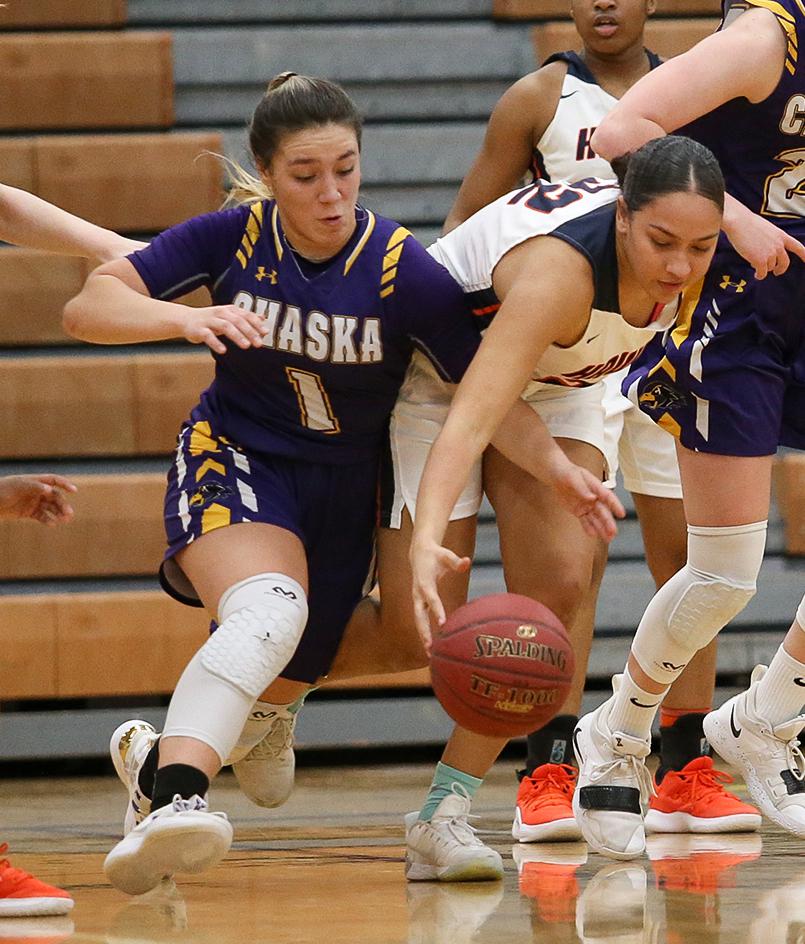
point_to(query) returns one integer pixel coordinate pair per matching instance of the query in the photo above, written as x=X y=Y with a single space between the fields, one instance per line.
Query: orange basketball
x=501 y=665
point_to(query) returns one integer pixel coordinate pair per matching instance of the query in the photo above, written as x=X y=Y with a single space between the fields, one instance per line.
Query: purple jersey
x=761 y=147
x=340 y=335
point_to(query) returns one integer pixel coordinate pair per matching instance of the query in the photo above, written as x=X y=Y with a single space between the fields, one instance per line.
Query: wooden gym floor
x=328 y=867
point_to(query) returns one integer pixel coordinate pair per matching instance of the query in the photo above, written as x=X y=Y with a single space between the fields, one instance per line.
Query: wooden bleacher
x=81 y=616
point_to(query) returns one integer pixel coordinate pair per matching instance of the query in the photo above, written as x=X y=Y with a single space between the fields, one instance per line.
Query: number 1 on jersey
x=314 y=404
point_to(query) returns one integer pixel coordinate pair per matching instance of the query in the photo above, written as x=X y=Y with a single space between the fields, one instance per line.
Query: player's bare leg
x=562 y=569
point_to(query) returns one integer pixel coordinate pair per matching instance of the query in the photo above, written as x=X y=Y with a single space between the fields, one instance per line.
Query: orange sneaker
x=22 y=895
x=694 y=800
x=544 y=811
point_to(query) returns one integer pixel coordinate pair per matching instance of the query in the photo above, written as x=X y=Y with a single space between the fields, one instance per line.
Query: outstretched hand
x=429 y=563
x=39 y=497
x=584 y=496
x=766 y=247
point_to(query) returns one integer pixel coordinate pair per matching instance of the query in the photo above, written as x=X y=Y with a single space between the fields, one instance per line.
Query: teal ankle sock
x=295 y=706
x=443 y=780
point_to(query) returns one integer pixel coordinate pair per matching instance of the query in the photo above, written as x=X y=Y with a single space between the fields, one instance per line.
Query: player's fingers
x=233 y=332
x=761 y=270
x=794 y=246
x=208 y=337
x=59 y=481
x=454 y=562
x=422 y=621
x=779 y=265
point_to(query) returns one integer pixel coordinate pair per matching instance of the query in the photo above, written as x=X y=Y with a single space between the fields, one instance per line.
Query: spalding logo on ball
x=502 y=665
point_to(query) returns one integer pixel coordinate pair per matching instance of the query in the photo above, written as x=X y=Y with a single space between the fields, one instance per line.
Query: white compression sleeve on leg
x=687 y=612
x=261 y=622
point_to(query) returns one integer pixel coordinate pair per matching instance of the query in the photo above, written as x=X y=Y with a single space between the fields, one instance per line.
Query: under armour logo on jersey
x=726 y=282
x=282 y=592
x=261 y=274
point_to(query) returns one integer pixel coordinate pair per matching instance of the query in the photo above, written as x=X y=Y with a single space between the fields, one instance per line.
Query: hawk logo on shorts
x=738 y=287
x=661 y=396
x=207 y=493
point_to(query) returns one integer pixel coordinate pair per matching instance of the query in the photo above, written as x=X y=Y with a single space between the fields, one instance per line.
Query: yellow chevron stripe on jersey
x=201 y=439
x=275 y=229
x=394 y=248
x=216 y=516
x=251 y=235
x=370 y=225
x=209 y=465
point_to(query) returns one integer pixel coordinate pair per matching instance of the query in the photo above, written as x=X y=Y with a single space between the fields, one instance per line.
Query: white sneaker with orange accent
x=767 y=756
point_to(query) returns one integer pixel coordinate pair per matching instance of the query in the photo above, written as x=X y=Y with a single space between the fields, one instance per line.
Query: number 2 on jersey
x=314 y=404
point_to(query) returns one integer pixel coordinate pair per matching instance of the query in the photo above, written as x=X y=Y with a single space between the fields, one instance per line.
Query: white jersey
x=583 y=215
x=564 y=152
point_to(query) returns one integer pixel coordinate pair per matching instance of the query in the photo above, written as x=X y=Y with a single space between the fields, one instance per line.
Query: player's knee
x=718 y=581
x=261 y=621
x=565 y=595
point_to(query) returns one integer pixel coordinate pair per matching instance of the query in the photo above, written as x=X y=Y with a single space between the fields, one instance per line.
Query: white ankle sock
x=781 y=692
x=633 y=708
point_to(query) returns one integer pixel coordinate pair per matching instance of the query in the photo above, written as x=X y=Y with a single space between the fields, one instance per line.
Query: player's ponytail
x=294 y=102
x=291 y=102
x=669 y=165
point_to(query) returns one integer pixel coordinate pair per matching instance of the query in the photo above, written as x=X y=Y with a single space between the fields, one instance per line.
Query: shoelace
x=795 y=758
x=460 y=829
x=194 y=803
x=9 y=874
x=702 y=782
x=634 y=768
x=278 y=739
x=562 y=781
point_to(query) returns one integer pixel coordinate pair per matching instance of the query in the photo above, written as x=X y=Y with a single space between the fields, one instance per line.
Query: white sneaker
x=767 y=757
x=614 y=785
x=446 y=849
x=129 y=746
x=182 y=837
x=266 y=772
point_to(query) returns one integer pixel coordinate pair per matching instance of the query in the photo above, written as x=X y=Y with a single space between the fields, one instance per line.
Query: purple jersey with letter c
x=340 y=334
x=730 y=378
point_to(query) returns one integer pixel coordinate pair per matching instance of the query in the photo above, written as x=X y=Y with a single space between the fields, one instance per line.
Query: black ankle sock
x=178 y=778
x=145 y=778
x=552 y=744
x=680 y=743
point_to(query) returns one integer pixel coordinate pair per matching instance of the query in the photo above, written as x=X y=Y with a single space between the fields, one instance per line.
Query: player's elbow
x=76 y=314
x=608 y=138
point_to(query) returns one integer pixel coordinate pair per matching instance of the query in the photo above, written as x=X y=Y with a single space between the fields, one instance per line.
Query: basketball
x=501 y=665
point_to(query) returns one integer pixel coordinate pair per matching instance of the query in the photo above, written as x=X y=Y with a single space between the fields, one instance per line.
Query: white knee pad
x=261 y=622
x=801 y=614
x=715 y=584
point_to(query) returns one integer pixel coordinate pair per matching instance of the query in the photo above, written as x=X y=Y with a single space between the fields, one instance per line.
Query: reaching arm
x=38 y=497
x=537 y=310
x=25 y=220
x=114 y=307
x=517 y=121
x=745 y=59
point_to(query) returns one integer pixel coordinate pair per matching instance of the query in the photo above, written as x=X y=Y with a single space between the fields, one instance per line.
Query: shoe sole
x=188 y=845
x=722 y=741
x=35 y=907
x=471 y=872
x=659 y=822
x=558 y=830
